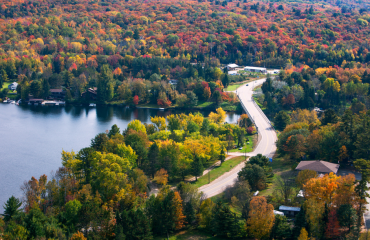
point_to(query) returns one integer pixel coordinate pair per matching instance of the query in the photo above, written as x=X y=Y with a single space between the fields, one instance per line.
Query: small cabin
x=289 y=211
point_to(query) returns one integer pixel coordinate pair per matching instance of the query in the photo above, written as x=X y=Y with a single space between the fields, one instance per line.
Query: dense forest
x=125 y=49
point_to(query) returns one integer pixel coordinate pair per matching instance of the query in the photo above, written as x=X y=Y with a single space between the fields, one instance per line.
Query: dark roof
x=56 y=90
x=36 y=100
x=318 y=166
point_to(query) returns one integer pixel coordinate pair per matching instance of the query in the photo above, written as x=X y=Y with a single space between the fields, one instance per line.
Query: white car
x=241 y=148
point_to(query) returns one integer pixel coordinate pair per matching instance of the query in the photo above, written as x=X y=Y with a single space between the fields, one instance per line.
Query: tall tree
x=260 y=218
x=105 y=90
x=197 y=166
x=11 y=208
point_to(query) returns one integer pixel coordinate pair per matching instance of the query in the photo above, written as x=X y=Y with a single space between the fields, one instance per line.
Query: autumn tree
x=260 y=218
x=305 y=175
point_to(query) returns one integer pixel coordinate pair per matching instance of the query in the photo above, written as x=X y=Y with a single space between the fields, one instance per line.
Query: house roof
x=278 y=213
x=287 y=208
x=56 y=90
x=233 y=65
x=14 y=83
x=318 y=166
x=256 y=68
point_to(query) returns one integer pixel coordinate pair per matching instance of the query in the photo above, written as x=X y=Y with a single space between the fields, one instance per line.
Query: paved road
x=266 y=146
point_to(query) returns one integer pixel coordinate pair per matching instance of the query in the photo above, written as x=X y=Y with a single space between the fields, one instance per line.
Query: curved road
x=266 y=145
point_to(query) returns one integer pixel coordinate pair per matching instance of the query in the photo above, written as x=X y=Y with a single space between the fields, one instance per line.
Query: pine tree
x=153 y=158
x=189 y=212
x=224 y=221
x=197 y=167
x=3 y=78
x=11 y=208
x=45 y=89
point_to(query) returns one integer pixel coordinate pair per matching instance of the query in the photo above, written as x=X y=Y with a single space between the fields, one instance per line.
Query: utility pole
x=209 y=176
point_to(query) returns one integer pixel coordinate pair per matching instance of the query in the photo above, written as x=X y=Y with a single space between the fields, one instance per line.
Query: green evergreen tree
x=225 y=80
x=45 y=89
x=281 y=229
x=197 y=167
x=113 y=131
x=222 y=156
x=299 y=223
x=67 y=77
x=105 y=90
x=11 y=208
x=136 y=34
x=189 y=212
x=281 y=120
x=3 y=78
x=133 y=224
x=224 y=221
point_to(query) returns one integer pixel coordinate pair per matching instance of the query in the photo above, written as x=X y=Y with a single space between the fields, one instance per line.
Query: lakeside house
x=321 y=167
x=57 y=93
x=90 y=94
x=13 y=86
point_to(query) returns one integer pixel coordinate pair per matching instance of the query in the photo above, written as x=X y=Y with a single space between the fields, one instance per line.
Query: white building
x=255 y=69
x=233 y=72
x=232 y=66
x=13 y=86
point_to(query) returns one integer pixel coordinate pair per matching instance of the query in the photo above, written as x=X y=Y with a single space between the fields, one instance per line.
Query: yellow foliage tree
x=159 y=122
x=260 y=218
x=218 y=117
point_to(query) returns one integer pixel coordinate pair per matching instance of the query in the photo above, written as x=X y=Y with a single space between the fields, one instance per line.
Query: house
x=321 y=167
x=13 y=86
x=289 y=211
x=35 y=101
x=231 y=67
x=90 y=94
x=234 y=72
x=57 y=93
x=278 y=213
x=255 y=69
x=172 y=81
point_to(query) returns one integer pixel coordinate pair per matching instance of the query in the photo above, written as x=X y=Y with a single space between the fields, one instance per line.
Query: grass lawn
x=247 y=147
x=191 y=234
x=202 y=104
x=218 y=171
x=279 y=166
x=6 y=84
x=149 y=105
x=233 y=87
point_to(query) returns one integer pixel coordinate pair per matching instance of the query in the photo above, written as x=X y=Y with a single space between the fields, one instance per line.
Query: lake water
x=32 y=137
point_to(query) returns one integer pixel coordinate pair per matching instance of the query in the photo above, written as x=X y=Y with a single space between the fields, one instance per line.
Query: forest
x=106 y=190
x=125 y=51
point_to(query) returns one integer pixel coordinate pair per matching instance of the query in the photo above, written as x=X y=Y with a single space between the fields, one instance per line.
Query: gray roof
x=286 y=208
x=318 y=166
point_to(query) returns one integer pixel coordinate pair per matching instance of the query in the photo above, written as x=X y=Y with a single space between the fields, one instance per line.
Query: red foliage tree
x=136 y=100
x=332 y=227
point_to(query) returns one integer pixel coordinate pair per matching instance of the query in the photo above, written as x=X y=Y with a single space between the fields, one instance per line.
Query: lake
x=32 y=137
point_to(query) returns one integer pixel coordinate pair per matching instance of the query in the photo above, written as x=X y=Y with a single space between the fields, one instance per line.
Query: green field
x=234 y=87
x=5 y=85
x=218 y=171
x=247 y=147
